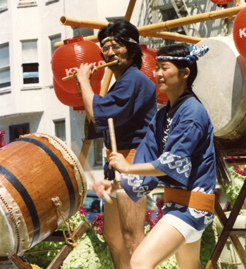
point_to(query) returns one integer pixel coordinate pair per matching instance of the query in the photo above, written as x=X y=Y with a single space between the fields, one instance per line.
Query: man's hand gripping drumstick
x=105 y=186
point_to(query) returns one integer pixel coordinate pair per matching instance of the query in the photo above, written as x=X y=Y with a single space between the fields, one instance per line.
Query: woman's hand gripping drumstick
x=116 y=160
x=95 y=68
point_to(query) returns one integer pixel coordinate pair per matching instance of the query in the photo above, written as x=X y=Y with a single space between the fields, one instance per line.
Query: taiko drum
x=34 y=169
x=221 y=86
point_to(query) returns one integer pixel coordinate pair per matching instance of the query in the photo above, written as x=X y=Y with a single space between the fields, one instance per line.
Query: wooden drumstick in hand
x=113 y=142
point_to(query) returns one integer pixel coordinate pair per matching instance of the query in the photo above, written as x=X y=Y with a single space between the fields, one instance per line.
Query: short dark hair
x=180 y=50
x=121 y=30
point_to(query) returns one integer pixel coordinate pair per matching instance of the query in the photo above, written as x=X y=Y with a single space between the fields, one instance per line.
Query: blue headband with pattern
x=195 y=52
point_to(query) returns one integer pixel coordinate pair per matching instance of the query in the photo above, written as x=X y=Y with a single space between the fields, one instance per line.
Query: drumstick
x=96 y=68
x=113 y=141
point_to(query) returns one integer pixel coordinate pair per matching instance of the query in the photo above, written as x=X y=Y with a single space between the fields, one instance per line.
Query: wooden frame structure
x=19 y=263
x=231 y=148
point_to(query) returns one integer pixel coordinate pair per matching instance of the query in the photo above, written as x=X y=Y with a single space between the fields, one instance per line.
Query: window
x=16 y=130
x=4 y=66
x=60 y=129
x=51 y=1
x=30 y=62
x=170 y=14
x=79 y=31
x=53 y=40
x=26 y=3
x=3 y=5
x=112 y=19
x=98 y=148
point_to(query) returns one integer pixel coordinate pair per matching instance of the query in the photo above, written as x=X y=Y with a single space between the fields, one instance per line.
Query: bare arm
x=83 y=81
x=117 y=161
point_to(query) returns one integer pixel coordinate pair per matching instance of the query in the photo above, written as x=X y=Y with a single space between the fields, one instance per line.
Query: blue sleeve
x=175 y=161
x=119 y=104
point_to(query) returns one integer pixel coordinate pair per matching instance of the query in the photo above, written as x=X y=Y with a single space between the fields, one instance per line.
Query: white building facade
x=29 y=30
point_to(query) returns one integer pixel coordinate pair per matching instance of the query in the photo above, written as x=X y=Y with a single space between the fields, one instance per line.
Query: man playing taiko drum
x=131 y=102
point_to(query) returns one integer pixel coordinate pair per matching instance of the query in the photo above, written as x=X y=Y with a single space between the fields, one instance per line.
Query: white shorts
x=190 y=234
x=114 y=194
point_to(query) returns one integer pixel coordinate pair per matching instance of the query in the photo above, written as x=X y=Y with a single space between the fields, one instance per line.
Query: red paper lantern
x=70 y=56
x=67 y=98
x=148 y=68
x=239 y=32
x=70 y=98
x=221 y=2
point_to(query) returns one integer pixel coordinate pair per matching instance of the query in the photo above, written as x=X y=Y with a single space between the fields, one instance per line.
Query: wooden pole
x=76 y=22
x=176 y=36
x=130 y=9
x=170 y=24
x=148 y=30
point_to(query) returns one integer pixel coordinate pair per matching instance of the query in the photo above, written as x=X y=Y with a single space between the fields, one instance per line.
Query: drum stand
x=232 y=148
x=18 y=262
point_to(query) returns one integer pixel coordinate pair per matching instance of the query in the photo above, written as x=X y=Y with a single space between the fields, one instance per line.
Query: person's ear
x=131 y=56
x=186 y=72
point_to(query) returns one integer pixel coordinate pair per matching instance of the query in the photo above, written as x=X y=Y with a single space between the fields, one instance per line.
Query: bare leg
x=159 y=245
x=188 y=257
x=123 y=228
x=113 y=236
x=132 y=220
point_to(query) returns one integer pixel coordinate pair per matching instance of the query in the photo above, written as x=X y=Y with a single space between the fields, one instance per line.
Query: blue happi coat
x=131 y=102
x=179 y=142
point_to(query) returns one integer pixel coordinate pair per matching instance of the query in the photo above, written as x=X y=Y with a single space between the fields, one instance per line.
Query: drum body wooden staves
x=221 y=86
x=33 y=170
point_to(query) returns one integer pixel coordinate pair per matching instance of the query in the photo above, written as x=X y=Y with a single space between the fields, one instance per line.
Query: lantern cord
x=70 y=240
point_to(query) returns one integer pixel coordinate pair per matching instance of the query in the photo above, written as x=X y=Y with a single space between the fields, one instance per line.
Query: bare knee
x=132 y=238
x=129 y=241
x=137 y=262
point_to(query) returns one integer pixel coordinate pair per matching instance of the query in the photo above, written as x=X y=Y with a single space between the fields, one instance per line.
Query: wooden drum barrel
x=34 y=169
x=221 y=86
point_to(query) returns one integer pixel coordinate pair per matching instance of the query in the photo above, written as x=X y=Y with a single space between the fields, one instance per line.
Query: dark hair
x=182 y=50
x=121 y=30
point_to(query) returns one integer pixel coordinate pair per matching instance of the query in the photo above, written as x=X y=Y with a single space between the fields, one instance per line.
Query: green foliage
x=232 y=191
x=40 y=254
x=208 y=244
x=93 y=253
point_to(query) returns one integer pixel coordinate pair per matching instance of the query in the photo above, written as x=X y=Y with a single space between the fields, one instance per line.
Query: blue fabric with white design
x=195 y=52
x=188 y=156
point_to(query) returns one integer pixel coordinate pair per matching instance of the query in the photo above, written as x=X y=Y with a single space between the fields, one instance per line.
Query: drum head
x=8 y=242
x=13 y=233
x=220 y=85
